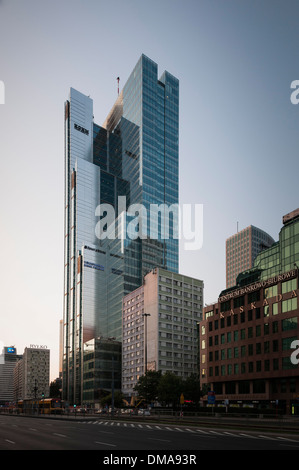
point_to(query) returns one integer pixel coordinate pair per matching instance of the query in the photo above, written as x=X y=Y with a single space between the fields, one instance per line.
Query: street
x=26 y=433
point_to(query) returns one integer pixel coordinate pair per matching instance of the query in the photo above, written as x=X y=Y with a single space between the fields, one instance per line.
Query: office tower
x=131 y=159
x=242 y=249
x=248 y=344
x=32 y=374
x=160 y=327
x=7 y=365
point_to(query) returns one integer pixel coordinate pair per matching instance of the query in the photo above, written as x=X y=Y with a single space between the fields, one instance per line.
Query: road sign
x=211 y=398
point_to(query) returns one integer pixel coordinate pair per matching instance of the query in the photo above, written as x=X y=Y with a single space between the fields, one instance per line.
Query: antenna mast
x=117 y=85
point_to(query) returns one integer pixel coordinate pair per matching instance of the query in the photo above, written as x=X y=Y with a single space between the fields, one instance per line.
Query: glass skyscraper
x=129 y=161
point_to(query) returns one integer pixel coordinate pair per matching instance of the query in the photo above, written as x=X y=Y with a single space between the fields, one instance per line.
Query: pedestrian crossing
x=185 y=429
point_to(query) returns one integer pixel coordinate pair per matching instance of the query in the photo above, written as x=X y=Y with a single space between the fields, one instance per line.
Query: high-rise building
x=132 y=159
x=7 y=365
x=242 y=249
x=160 y=327
x=249 y=338
x=32 y=374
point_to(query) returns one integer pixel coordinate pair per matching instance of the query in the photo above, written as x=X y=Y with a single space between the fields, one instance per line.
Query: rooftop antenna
x=117 y=85
x=237 y=227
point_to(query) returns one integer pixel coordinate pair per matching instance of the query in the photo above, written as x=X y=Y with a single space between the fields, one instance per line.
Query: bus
x=40 y=406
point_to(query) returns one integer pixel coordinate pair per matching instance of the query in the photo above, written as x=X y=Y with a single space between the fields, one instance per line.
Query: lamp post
x=112 y=338
x=145 y=315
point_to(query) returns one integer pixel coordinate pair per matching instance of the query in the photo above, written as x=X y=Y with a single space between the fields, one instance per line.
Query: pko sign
x=2 y=92
x=38 y=346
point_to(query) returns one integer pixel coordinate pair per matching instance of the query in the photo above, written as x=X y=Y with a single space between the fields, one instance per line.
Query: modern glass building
x=128 y=163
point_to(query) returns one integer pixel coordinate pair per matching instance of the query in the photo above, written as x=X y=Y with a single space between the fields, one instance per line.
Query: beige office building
x=32 y=374
x=160 y=327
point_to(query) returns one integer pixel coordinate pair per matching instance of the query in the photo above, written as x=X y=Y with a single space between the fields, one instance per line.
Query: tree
x=192 y=388
x=169 y=389
x=118 y=400
x=55 y=388
x=147 y=385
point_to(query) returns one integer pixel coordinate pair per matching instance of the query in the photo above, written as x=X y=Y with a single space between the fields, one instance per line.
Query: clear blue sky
x=235 y=60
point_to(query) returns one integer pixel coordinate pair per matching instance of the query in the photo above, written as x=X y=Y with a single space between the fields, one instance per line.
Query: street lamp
x=112 y=338
x=145 y=315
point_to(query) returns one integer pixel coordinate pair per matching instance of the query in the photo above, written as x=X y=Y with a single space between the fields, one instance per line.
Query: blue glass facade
x=133 y=154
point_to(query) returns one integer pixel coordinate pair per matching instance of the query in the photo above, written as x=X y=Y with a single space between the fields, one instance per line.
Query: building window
x=289 y=305
x=288 y=286
x=266 y=310
x=258 y=330
x=289 y=324
x=270 y=292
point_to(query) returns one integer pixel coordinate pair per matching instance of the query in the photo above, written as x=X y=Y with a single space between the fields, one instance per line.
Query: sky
x=235 y=60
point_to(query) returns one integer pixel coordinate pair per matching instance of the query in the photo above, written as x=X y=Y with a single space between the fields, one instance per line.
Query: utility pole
x=35 y=392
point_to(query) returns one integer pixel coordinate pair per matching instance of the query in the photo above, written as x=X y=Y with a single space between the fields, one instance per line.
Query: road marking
x=105 y=444
x=200 y=430
x=60 y=435
x=286 y=439
x=161 y=440
x=32 y=429
x=267 y=437
x=248 y=435
x=178 y=429
x=190 y=430
x=10 y=442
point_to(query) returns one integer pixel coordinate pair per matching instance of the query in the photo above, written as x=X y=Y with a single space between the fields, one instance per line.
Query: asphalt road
x=25 y=433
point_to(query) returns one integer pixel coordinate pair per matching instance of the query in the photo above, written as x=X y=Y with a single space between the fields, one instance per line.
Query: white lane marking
x=10 y=442
x=59 y=435
x=161 y=440
x=105 y=444
x=231 y=434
